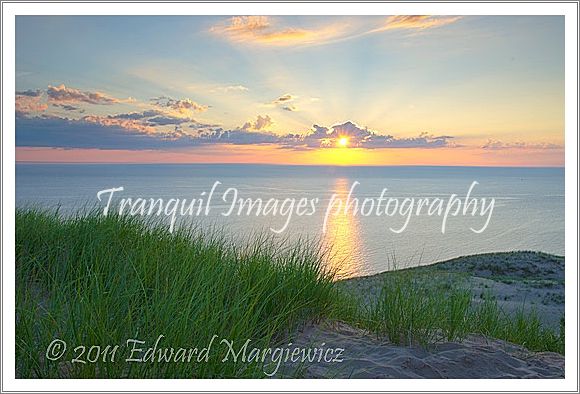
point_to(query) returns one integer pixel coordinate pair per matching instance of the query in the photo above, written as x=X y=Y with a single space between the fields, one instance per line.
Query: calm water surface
x=528 y=213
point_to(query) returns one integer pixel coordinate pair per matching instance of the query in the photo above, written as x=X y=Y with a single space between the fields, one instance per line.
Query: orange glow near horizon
x=324 y=156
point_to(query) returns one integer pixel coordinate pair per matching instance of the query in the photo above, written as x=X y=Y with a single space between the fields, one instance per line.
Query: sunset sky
x=417 y=90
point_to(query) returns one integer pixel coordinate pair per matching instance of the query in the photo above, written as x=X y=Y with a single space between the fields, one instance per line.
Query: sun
x=343 y=141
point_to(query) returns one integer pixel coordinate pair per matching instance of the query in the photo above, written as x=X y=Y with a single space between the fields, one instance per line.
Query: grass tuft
x=419 y=307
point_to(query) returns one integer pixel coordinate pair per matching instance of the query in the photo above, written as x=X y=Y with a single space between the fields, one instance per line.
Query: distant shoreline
x=454 y=260
x=529 y=279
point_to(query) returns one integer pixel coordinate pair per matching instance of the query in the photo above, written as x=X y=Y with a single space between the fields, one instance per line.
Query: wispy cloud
x=492 y=144
x=237 y=137
x=230 y=89
x=416 y=22
x=261 y=30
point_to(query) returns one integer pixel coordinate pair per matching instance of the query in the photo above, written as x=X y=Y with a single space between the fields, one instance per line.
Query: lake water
x=528 y=213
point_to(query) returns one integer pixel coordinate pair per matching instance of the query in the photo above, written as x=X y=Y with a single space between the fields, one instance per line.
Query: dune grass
x=420 y=307
x=96 y=281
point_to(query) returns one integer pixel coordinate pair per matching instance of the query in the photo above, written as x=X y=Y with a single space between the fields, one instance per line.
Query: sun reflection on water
x=343 y=236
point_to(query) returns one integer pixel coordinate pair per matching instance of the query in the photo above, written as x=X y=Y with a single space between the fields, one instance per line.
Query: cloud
x=116 y=133
x=321 y=137
x=137 y=131
x=364 y=138
x=324 y=137
x=499 y=145
x=27 y=104
x=137 y=115
x=30 y=93
x=261 y=30
x=183 y=105
x=152 y=117
x=283 y=99
x=61 y=96
x=65 y=94
x=123 y=123
x=239 y=137
x=67 y=107
x=167 y=120
x=284 y=102
x=205 y=127
x=229 y=89
x=416 y=22
x=261 y=122
x=93 y=132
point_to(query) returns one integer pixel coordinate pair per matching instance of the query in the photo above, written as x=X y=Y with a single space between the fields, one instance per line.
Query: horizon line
x=286 y=165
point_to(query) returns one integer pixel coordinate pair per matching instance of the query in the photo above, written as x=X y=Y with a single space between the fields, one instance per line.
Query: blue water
x=528 y=212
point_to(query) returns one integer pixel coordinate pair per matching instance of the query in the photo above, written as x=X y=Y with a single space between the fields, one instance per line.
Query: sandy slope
x=366 y=357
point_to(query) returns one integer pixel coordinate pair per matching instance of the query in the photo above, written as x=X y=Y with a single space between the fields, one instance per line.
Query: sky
x=365 y=90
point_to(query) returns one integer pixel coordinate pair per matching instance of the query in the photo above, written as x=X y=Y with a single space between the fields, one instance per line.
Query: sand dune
x=366 y=357
x=518 y=279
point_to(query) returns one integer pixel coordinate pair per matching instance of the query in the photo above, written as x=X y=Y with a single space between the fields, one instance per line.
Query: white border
x=8 y=168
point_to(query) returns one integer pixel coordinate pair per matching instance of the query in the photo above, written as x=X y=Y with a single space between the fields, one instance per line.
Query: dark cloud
x=364 y=138
x=286 y=102
x=283 y=99
x=205 y=127
x=137 y=115
x=325 y=137
x=90 y=133
x=140 y=131
x=30 y=93
x=179 y=105
x=167 y=120
x=153 y=117
x=67 y=107
x=201 y=126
